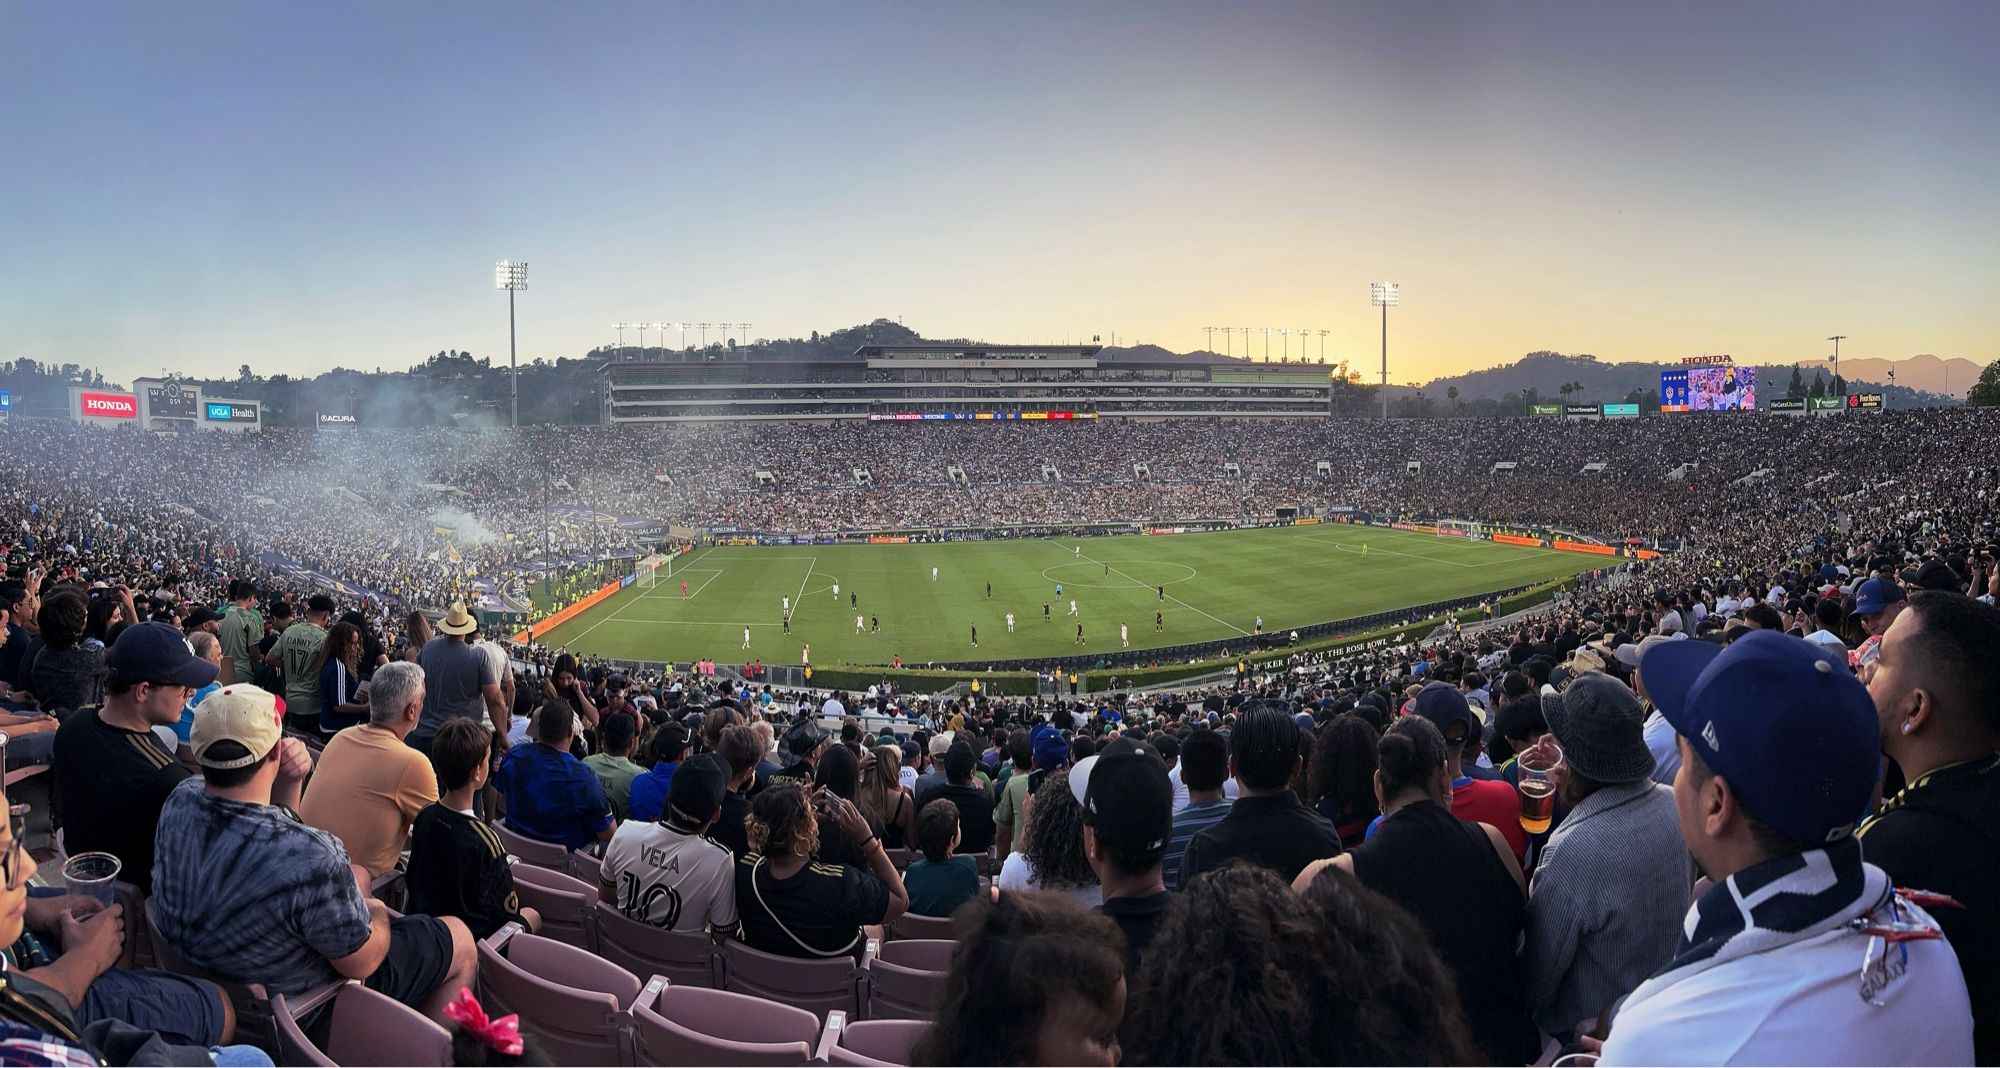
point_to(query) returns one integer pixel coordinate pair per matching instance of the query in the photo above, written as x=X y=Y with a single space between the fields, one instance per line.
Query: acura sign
x=328 y=421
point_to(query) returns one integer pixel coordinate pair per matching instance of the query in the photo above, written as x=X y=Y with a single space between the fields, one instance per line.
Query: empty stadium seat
x=914 y=925
x=688 y=958
x=586 y=866
x=365 y=1030
x=903 y=980
x=817 y=986
x=867 y=1042
x=573 y=1003
x=533 y=850
x=566 y=904
x=675 y=1025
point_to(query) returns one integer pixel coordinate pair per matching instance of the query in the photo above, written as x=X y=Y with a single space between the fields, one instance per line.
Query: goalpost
x=648 y=570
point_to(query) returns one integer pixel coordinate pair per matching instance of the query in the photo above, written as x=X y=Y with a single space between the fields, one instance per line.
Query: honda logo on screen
x=109 y=405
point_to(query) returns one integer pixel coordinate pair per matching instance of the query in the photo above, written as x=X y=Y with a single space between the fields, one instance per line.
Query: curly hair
x=1382 y=994
x=1053 y=843
x=1017 y=961
x=1343 y=764
x=781 y=820
x=1228 y=982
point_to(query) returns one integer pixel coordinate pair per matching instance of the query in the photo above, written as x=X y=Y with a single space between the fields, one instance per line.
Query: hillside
x=1919 y=380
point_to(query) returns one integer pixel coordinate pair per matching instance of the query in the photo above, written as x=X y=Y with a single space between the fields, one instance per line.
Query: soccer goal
x=649 y=569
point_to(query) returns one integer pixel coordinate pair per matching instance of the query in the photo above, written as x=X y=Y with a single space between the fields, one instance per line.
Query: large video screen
x=1709 y=389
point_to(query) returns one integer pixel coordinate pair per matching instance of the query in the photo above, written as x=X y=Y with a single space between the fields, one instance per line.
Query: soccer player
x=1124 y=637
x=989 y=591
x=1078 y=550
x=1079 y=634
x=746 y=637
x=1046 y=617
x=1010 y=622
x=836 y=591
x=933 y=572
x=1058 y=591
x=874 y=624
x=1260 y=625
x=785 y=603
x=1107 y=570
x=684 y=591
x=975 y=635
x=1163 y=593
x=1159 y=621
x=788 y=622
x=1072 y=606
x=858 y=622
x=853 y=599
x=806 y=655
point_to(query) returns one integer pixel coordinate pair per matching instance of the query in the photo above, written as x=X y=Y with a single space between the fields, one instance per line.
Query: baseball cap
x=244 y=714
x=158 y=652
x=1783 y=720
x=200 y=616
x=1933 y=575
x=1629 y=654
x=695 y=795
x=1050 y=749
x=1875 y=595
x=1125 y=794
x=1442 y=704
x=941 y=742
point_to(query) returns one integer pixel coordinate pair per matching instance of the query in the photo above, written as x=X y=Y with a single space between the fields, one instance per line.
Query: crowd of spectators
x=1771 y=754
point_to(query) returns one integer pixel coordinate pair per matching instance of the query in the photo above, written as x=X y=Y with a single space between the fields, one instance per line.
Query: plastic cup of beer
x=93 y=875
x=1537 y=788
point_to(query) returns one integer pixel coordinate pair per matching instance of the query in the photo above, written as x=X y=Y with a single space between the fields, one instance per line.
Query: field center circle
x=1134 y=573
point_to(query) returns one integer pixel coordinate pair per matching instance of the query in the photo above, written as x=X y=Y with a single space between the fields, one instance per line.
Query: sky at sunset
x=294 y=186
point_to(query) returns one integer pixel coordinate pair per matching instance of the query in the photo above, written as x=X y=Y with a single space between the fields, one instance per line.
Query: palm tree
x=1453 y=394
x=1564 y=390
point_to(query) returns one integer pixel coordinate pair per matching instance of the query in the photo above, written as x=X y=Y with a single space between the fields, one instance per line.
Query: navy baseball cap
x=1875 y=595
x=158 y=652
x=1782 y=719
x=1442 y=704
x=1050 y=750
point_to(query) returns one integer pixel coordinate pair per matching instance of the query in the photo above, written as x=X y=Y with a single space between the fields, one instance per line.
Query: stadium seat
x=586 y=866
x=391 y=889
x=903 y=980
x=867 y=1042
x=573 y=1003
x=915 y=925
x=256 y=1020
x=675 y=1025
x=901 y=858
x=365 y=1030
x=817 y=986
x=688 y=958
x=566 y=904
x=533 y=851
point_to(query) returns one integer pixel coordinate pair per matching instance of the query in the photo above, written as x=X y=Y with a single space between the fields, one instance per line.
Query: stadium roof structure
x=971 y=351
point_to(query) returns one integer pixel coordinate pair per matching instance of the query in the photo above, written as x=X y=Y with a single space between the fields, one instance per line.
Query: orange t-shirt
x=366 y=791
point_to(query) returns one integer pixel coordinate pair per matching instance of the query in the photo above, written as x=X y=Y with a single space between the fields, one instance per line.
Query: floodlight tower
x=1322 y=344
x=1208 y=339
x=1285 y=342
x=1384 y=296
x=1228 y=340
x=1837 y=339
x=512 y=277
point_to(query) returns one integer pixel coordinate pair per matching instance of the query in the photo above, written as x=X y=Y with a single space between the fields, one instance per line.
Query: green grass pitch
x=1217 y=584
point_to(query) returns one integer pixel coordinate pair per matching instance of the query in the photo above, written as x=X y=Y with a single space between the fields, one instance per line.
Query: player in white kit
x=1010 y=622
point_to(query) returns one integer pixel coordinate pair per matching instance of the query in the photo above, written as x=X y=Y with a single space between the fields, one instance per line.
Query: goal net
x=649 y=570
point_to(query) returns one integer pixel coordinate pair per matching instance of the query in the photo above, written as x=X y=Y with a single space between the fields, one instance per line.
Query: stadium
x=1576 y=649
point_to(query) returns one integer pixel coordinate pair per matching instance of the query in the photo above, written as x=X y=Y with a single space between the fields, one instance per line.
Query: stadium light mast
x=1384 y=296
x=1322 y=344
x=1208 y=339
x=1228 y=340
x=643 y=327
x=512 y=277
x=1285 y=342
x=1837 y=339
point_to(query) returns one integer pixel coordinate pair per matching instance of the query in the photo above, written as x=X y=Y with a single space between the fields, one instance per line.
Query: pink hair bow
x=503 y=1034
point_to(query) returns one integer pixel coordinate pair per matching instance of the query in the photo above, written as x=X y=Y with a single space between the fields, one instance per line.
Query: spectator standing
x=1487 y=801
x=1936 y=688
x=298 y=652
x=1128 y=815
x=343 y=703
x=1614 y=876
x=1267 y=825
x=368 y=786
x=739 y=746
x=1457 y=879
x=241 y=626
x=1204 y=766
x=1785 y=959
x=649 y=788
x=111 y=767
x=975 y=805
x=458 y=679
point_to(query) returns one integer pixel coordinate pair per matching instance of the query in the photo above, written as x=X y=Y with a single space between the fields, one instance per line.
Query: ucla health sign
x=224 y=412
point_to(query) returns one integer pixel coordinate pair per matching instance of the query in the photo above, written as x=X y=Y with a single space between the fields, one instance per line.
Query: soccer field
x=1216 y=584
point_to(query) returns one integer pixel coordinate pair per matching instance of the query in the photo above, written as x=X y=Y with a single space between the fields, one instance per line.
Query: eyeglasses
x=11 y=867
